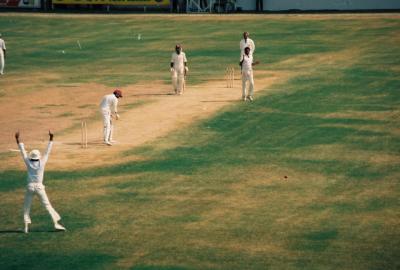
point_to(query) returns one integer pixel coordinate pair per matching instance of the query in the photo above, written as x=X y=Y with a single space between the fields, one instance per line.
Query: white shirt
x=2 y=46
x=109 y=103
x=35 y=168
x=248 y=43
x=247 y=62
x=178 y=60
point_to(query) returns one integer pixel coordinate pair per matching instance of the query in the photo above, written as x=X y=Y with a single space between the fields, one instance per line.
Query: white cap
x=34 y=155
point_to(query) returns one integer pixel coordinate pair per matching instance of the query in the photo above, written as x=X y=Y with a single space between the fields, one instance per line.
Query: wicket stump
x=84 y=138
x=230 y=76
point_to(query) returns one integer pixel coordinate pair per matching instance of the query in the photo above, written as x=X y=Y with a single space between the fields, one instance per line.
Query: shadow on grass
x=159 y=267
x=222 y=101
x=10 y=231
x=30 y=231
x=54 y=259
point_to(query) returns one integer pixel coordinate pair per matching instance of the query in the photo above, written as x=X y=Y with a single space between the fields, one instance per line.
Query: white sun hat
x=34 y=155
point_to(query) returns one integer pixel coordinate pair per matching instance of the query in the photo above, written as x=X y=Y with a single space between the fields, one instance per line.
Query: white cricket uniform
x=108 y=106
x=247 y=75
x=178 y=74
x=2 y=62
x=35 y=184
x=247 y=43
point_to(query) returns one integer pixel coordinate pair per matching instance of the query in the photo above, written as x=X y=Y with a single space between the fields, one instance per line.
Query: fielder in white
x=246 y=64
x=108 y=107
x=35 y=165
x=178 y=69
x=247 y=42
x=2 y=55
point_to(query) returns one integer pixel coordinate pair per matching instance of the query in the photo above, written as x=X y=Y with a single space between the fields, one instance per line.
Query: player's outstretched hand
x=256 y=63
x=51 y=135
x=117 y=116
x=17 y=136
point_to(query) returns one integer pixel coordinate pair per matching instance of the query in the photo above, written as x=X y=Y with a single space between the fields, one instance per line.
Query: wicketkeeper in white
x=246 y=64
x=108 y=107
x=179 y=69
x=35 y=165
x=247 y=42
x=2 y=55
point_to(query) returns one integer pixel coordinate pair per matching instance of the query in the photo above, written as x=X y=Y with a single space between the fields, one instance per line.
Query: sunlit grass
x=303 y=178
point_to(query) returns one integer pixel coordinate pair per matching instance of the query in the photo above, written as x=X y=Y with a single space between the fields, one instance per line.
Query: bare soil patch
x=61 y=109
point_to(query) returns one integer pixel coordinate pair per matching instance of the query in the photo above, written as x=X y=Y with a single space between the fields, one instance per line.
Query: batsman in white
x=2 y=55
x=108 y=107
x=35 y=165
x=246 y=64
x=247 y=42
x=178 y=69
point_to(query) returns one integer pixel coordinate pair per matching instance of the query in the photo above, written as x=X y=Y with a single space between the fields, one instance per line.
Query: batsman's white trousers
x=247 y=76
x=2 y=63
x=108 y=126
x=38 y=189
x=178 y=81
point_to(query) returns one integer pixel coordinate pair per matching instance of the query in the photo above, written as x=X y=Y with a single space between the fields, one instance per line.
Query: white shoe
x=250 y=98
x=26 y=229
x=108 y=143
x=244 y=98
x=59 y=227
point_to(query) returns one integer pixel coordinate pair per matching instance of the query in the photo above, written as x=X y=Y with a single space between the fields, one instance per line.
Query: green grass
x=214 y=196
x=111 y=46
